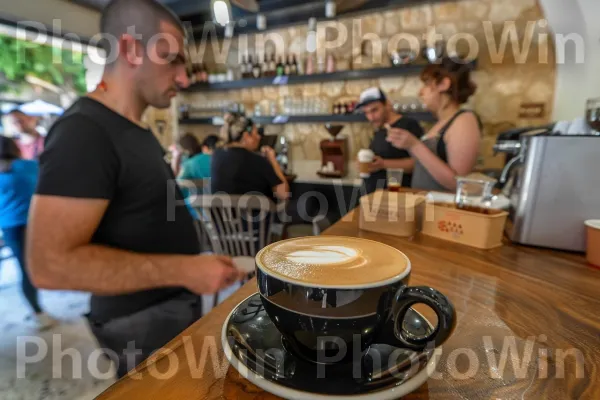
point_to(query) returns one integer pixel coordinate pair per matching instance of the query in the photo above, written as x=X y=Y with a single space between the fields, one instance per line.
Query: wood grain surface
x=538 y=310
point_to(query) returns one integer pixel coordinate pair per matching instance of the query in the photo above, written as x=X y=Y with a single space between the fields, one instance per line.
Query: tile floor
x=52 y=377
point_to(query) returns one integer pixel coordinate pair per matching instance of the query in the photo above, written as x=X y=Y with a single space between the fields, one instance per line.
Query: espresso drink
x=333 y=261
x=332 y=296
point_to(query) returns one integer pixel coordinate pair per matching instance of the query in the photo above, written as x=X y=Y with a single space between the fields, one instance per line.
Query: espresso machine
x=553 y=185
x=334 y=153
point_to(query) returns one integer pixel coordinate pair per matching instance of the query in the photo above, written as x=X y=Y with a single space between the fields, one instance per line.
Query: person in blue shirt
x=18 y=178
x=191 y=159
x=197 y=166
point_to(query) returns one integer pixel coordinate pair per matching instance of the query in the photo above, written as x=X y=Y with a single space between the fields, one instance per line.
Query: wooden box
x=471 y=228
x=391 y=213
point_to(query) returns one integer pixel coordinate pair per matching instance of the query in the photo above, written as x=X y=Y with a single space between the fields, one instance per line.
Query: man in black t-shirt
x=107 y=216
x=380 y=114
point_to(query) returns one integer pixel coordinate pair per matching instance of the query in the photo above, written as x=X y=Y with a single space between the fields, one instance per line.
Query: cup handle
x=407 y=297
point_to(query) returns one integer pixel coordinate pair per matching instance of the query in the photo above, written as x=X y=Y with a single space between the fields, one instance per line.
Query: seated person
x=197 y=166
x=239 y=169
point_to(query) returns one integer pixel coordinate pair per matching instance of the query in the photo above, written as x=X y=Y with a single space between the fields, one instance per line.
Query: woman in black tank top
x=451 y=147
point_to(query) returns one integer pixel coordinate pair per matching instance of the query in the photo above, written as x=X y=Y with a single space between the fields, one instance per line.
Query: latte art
x=323 y=255
x=332 y=260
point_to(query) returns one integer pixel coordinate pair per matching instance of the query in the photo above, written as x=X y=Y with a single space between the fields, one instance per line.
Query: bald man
x=99 y=217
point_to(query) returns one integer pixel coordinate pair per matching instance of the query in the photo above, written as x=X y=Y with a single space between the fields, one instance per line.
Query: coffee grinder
x=334 y=153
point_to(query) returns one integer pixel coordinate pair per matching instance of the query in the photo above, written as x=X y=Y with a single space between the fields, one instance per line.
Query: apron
x=421 y=178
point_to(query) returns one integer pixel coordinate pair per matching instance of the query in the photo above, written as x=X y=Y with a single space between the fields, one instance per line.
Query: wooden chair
x=197 y=187
x=236 y=225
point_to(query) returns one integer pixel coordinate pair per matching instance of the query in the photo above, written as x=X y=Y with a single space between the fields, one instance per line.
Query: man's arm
x=60 y=256
x=282 y=190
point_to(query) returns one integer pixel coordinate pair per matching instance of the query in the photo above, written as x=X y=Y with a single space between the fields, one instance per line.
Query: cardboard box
x=391 y=213
x=483 y=231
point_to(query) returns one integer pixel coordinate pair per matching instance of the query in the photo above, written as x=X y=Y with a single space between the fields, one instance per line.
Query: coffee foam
x=333 y=261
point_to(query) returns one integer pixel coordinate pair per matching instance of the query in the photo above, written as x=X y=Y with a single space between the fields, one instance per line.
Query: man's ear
x=131 y=50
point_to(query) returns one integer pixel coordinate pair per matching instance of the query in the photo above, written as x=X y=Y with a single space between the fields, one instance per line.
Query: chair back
x=236 y=225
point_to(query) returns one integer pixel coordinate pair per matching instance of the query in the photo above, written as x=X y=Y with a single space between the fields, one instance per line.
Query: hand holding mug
x=269 y=153
x=175 y=150
x=401 y=138
x=377 y=164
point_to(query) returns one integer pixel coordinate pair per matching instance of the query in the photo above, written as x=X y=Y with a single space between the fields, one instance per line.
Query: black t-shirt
x=235 y=170
x=92 y=152
x=384 y=149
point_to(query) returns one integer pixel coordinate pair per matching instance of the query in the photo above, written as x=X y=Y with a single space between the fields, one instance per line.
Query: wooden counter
x=544 y=303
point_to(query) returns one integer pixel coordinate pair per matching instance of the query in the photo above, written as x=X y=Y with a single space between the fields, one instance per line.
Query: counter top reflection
x=528 y=328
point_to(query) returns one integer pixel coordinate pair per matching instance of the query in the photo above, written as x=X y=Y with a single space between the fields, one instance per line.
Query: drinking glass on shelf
x=287 y=105
x=592 y=113
x=306 y=107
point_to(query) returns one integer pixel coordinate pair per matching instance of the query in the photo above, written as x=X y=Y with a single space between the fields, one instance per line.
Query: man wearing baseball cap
x=378 y=110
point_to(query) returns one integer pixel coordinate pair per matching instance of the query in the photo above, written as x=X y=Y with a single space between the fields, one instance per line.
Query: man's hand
x=401 y=138
x=207 y=274
x=175 y=151
x=377 y=165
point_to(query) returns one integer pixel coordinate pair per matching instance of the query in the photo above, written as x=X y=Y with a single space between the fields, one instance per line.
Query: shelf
x=373 y=73
x=303 y=119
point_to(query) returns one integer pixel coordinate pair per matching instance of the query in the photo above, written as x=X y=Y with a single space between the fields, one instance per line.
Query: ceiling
x=278 y=12
x=187 y=8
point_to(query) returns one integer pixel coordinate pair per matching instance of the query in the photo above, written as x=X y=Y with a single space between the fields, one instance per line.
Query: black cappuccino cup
x=332 y=296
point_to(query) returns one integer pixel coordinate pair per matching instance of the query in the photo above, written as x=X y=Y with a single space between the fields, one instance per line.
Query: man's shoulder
x=78 y=115
x=410 y=124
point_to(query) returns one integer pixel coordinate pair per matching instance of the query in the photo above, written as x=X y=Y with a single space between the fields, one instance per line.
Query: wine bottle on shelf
x=310 y=64
x=300 y=65
x=287 y=66
x=203 y=73
x=272 y=66
x=244 y=68
x=256 y=69
x=265 y=66
x=249 y=67
x=198 y=73
x=343 y=109
x=294 y=66
x=280 y=67
x=192 y=74
x=336 y=109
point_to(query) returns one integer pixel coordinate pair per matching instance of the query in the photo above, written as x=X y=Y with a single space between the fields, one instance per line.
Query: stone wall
x=505 y=81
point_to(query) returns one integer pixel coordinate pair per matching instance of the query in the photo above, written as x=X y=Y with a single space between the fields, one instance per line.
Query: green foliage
x=19 y=58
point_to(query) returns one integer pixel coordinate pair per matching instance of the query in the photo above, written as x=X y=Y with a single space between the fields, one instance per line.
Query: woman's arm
x=283 y=189
x=462 y=146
